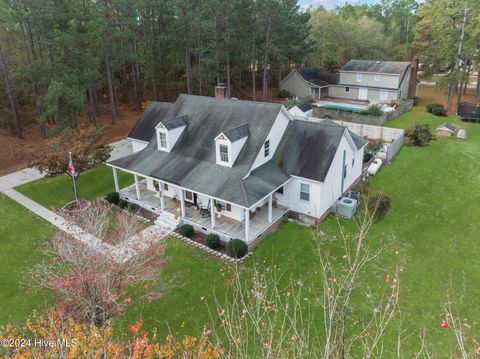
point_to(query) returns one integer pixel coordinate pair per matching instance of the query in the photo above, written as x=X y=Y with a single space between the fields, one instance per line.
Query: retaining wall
x=365 y=119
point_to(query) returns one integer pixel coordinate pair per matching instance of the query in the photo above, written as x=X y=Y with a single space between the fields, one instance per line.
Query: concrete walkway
x=120 y=253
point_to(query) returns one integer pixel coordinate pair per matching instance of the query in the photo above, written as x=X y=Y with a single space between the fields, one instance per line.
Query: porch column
x=247 y=224
x=182 y=201
x=115 y=179
x=137 y=186
x=212 y=212
x=162 y=202
x=270 y=209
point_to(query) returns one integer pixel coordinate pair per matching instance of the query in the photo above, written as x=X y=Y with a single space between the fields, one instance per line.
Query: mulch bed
x=200 y=238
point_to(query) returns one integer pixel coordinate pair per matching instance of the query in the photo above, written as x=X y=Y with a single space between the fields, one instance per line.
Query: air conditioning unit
x=345 y=207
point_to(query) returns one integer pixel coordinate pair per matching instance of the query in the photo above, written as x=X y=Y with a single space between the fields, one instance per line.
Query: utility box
x=345 y=207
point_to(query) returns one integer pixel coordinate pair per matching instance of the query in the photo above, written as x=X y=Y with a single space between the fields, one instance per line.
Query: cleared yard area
x=431 y=233
x=55 y=192
x=21 y=237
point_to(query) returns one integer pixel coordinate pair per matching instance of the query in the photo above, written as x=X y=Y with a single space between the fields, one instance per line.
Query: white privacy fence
x=392 y=137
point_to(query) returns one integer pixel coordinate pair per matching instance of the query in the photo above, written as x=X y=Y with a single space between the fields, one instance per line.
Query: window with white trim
x=266 y=148
x=377 y=77
x=347 y=88
x=223 y=149
x=162 y=136
x=304 y=191
x=359 y=77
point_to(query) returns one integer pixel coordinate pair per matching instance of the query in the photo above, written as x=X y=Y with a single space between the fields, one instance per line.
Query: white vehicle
x=374 y=166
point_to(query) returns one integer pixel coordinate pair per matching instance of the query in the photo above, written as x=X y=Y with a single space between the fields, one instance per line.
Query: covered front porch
x=228 y=220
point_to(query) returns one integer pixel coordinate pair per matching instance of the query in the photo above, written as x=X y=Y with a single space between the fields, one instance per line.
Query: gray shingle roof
x=386 y=67
x=308 y=148
x=192 y=163
x=237 y=133
x=315 y=76
x=359 y=141
x=175 y=122
x=304 y=107
x=145 y=127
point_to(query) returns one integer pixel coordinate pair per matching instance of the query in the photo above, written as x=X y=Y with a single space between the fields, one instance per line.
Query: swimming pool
x=330 y=106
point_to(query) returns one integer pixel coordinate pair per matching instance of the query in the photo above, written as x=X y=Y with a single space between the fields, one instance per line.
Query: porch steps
x=167 y=221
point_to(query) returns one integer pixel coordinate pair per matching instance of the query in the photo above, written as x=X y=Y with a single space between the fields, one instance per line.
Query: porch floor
x=229 y=227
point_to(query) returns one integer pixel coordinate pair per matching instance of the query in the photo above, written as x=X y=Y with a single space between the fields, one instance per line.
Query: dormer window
x=169 y=131
x=223 y=153
x=162 y=140
x=229 y=144
x=266 y=148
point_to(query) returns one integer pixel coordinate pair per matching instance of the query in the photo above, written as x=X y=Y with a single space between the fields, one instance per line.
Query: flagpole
x=72 y=173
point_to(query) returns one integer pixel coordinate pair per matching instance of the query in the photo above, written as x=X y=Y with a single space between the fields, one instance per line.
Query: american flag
x=71 y=167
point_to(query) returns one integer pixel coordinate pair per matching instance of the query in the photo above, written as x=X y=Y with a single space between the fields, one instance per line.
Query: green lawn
x=22 y=236
x=57 y=191
x=430 y=232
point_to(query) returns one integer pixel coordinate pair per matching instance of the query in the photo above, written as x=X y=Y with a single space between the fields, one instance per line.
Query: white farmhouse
x=236 y=168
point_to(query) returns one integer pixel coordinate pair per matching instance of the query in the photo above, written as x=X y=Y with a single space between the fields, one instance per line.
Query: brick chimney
x=412 y=86
x=221 y=91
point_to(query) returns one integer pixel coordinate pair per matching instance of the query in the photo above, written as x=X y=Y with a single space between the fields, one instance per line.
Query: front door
x=363 y=93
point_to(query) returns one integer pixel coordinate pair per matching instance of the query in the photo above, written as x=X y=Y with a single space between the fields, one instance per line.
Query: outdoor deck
x=224 y=225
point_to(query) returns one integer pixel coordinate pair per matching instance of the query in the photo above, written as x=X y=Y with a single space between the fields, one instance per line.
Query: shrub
x=283 y=93
x=382 y=205
x=112 y=197
x=122 y=204
x=374 y=110
x=236 y=248
x=212 y=241
x=133 y=207
x=186 y=230
x=431 y=106
x=367 y=156
x=86 y=147
x=415 y=100
x=418 y=135
x=439 y=111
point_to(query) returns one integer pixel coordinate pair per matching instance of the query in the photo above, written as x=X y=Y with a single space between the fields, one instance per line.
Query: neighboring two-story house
x=377 y=81
x=364 y=80
x=235 y=167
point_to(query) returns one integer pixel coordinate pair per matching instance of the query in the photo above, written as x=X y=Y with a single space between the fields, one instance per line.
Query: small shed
x=445 y=130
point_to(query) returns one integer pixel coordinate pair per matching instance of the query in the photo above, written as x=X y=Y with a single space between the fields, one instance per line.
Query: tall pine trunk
x=8 y=90
x=478 y=85
x=229 y=93
x=111 y=93
x=136 y=77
